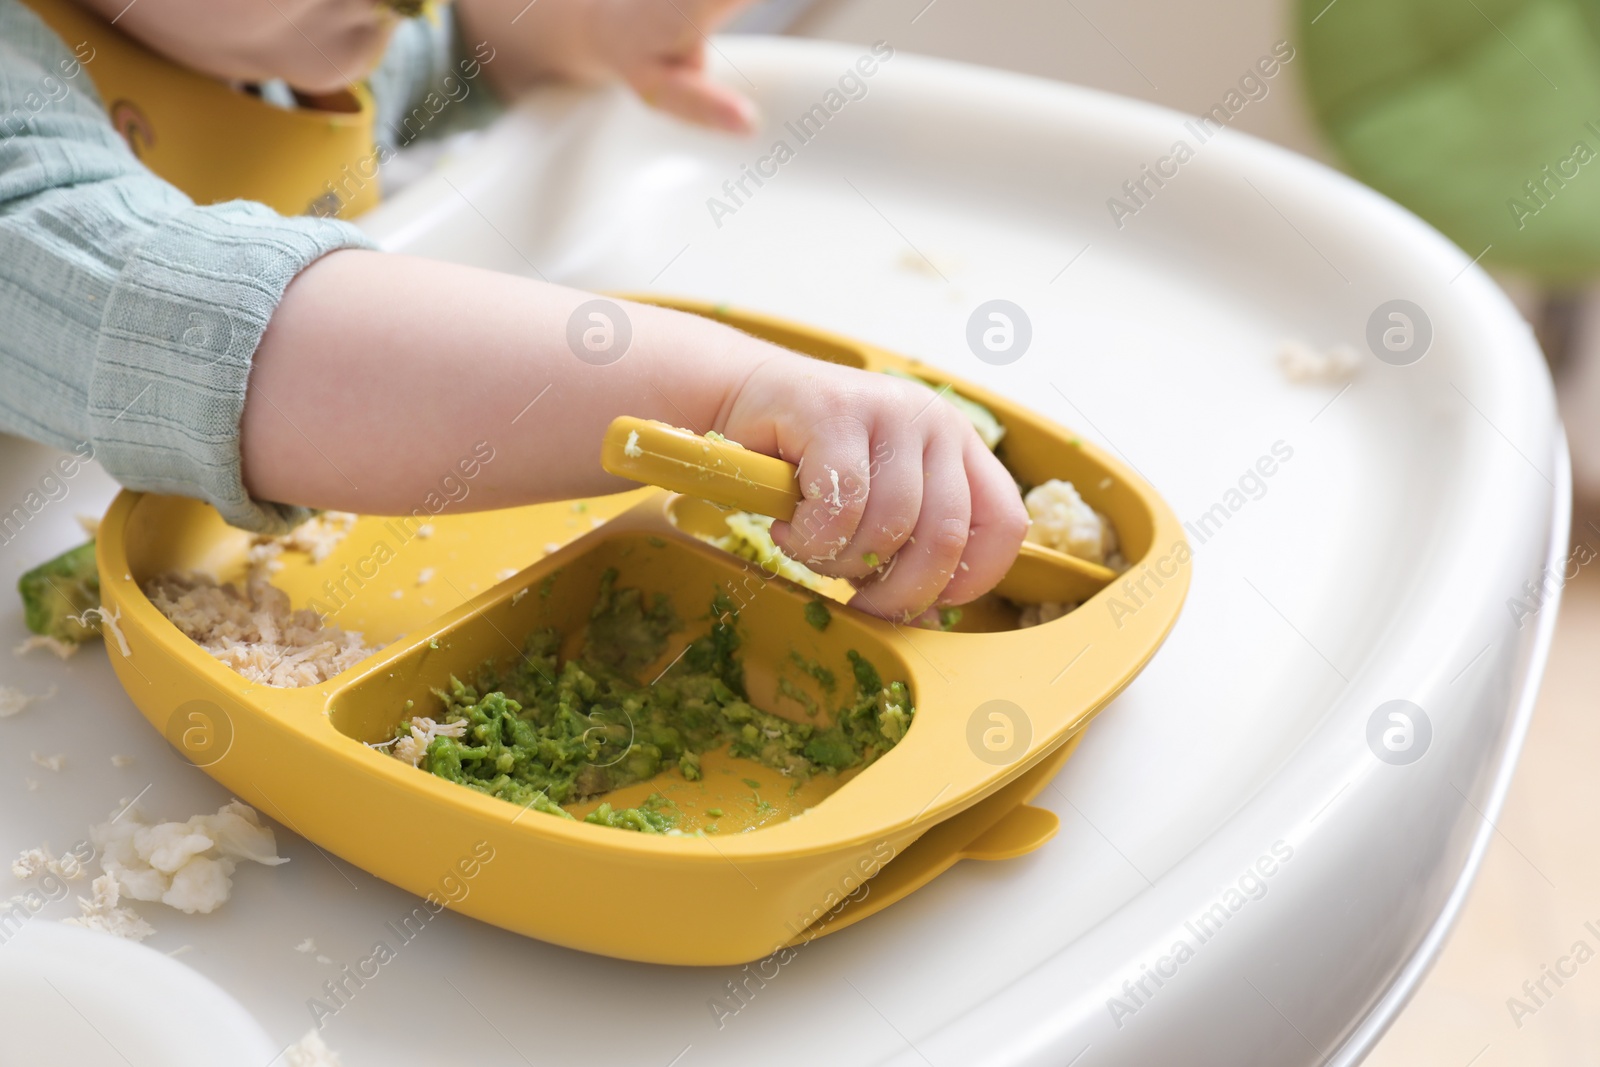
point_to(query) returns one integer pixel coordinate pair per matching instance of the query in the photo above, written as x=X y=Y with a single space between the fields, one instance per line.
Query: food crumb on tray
x=102 y=910
x=1304 y=365
x=36 y=861
x=310 y=1051
x=50 y=763
x=317 y=537
x=14 y=701
x=54 y=645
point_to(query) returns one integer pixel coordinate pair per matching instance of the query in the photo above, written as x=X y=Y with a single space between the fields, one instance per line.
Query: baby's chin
x=329 y=45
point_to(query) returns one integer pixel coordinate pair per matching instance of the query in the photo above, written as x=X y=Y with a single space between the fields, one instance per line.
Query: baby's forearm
x=379 y=372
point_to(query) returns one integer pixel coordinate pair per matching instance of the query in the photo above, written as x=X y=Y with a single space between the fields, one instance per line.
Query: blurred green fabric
x=1452 y=107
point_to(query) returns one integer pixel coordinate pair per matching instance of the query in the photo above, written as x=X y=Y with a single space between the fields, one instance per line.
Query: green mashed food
x=543 y=732
x=749 y=537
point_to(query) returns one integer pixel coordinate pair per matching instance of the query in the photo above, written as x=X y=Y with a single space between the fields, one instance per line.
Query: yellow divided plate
x=998 y=708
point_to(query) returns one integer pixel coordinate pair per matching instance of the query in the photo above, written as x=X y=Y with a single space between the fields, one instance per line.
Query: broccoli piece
x=832 y=750
x=54 y=592
x=818 y=615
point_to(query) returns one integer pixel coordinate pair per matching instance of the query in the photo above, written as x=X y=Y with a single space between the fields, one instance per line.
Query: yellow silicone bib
x=218 y=143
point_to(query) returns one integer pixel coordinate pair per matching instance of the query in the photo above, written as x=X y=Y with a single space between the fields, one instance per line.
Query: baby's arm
x=128 y=314
x=379 y=371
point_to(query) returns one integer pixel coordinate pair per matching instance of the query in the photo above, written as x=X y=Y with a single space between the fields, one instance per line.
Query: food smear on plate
x=544 y=733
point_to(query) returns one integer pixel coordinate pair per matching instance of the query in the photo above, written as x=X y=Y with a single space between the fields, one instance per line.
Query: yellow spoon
x=725 y=473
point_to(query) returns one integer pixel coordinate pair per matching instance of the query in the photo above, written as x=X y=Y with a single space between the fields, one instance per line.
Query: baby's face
x=317 y=46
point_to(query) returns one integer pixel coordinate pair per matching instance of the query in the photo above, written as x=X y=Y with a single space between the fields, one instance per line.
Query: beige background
x=1541 y=879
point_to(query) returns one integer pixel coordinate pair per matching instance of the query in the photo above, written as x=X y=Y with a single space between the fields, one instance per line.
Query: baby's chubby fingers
x=850 y=525
x=834 y=474
x=999 y=523
x=690 y=93
x=916 y=577
x=898 y=493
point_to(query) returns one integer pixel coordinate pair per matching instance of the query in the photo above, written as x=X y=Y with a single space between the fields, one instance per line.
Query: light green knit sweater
x=129 y=315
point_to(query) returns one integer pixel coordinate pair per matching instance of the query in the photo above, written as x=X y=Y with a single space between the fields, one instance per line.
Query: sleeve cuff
x=177 y=336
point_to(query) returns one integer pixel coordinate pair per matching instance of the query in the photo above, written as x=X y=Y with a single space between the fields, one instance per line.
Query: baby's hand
x=657 y=46
x=899 y=494
x=660 y=50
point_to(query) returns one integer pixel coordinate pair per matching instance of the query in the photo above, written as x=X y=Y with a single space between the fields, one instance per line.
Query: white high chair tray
x=1374 y=564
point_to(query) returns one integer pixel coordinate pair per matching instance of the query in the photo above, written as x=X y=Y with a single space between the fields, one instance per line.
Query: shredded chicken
x=413 y=747
x=254 y=631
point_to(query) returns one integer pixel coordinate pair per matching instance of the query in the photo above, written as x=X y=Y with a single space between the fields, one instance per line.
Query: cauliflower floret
x=140 y=883
x=200 y=886
x=186 y=865
x=1062 y=521
x=239 y=835
x=114 y=840
x=169 y=845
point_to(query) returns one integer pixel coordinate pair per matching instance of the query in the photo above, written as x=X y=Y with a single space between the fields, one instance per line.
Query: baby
x=362 y=375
